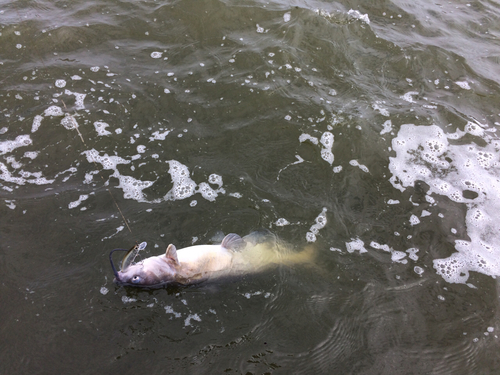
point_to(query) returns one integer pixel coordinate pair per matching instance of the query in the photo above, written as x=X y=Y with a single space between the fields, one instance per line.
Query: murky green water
x=368 y=130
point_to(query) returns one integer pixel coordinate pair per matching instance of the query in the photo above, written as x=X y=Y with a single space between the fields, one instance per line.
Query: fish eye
x=136 y=279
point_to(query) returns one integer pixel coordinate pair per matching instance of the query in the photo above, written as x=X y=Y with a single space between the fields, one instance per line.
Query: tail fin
x=303 y=257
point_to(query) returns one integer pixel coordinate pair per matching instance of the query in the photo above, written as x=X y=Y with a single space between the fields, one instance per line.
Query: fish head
x=155 y=271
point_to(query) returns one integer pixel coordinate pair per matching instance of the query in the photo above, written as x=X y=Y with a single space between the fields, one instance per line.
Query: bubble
x=60 y=83
x=310 y=237
x=156 y=55
x=166 y=91
x=287 y=16
x=215 y=179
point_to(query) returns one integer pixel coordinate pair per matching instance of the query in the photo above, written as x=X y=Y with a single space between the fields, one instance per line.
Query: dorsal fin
x=171 y=253
x=233 y=242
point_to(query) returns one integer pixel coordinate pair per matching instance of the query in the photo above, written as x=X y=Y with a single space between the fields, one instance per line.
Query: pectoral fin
x=171 y=254
x=233 y=242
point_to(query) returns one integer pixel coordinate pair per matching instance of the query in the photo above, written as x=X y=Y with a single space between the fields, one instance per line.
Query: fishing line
x=75 y=125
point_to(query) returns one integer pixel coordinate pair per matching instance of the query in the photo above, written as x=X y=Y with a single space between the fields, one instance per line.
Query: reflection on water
x=368 y=130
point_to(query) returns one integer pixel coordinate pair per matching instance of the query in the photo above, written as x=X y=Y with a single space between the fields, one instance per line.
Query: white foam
x=20 y=141
x=396 y=256
x=31 y=154
x=69 y=122
x=207 y=192
x=76 y=203
x=414 y=220
x=356 y=244
x=60 y=83
x=363 y=167
x=463 y=84
x=358 y=15
x=418 y=270
x=409 y=96
x=132 y=187
x=157 y=136
x=456 y=171
x=387 y=127
x=107 y=162
x=281 y=222
x=100 y=128
x=287 y=16
x=412 y=253
x=54 y=111
x=184 y=187
x=156 y=55
x=383 y=111
x=321 y=221
x=306 y=137
x=187 y=321
x=327 y=142
x=215 y=179
x=79 y=99
x=37 y=121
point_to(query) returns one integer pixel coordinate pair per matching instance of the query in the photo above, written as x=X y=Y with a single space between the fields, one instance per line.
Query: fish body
x=234 y=256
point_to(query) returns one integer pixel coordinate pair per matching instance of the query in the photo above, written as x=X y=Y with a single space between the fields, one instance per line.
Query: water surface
x=367 y=130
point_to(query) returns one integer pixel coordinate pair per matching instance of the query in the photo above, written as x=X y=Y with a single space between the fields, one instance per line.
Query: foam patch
x=465 y=173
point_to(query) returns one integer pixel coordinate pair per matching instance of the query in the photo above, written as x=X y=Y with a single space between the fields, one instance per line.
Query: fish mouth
x=127 y=260
x=115 y=272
